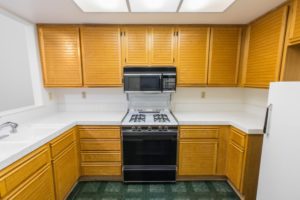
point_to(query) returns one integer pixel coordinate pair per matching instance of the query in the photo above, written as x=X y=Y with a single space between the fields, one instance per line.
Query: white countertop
x=33 y=135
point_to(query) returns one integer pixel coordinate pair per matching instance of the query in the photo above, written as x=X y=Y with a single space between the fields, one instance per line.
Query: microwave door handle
x=266 y=129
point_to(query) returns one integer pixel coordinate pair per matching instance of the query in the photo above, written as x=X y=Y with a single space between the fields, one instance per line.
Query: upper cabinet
x=295 y=24
x=148 y=45
x=101 y=55
x=60 y=55
x=135 y=45
x=224 y=56
x=265 y=49
x=192 y=63
x=162 y=45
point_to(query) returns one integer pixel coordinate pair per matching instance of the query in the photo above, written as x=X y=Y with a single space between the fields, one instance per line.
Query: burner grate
x=161 y=118
x=138 y=118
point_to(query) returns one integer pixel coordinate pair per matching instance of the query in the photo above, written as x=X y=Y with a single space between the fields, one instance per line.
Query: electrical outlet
x=83 y=94
x=203 y=95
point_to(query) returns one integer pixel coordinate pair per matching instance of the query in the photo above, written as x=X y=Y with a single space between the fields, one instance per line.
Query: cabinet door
x=60 y=55
x=224 y=55
x=235 y=161
x=136 y=45
x=295 y=26
x=162 y=45
x=65 y=169
x=265 y=49
x=197 y=157
x=40 y=187
x=193 y=45
x=101 y=55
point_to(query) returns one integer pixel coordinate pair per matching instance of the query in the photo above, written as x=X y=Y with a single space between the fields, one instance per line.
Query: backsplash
x=185 y=99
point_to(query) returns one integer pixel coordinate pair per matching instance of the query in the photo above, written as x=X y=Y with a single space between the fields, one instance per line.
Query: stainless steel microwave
x=149 y=79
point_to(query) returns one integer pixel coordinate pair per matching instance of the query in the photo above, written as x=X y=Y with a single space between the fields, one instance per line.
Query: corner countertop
x=35 y=134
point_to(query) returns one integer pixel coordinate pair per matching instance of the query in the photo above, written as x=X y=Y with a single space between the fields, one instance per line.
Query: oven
x=149 y=155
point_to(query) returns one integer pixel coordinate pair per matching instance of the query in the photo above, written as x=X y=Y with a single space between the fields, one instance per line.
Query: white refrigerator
x=279 y=177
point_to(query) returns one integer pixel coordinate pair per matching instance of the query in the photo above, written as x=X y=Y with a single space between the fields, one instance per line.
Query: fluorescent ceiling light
x=102 y=5
x=154 y=5
x=205 y=5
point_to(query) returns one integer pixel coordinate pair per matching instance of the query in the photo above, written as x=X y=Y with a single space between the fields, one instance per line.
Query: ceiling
x=66 y=11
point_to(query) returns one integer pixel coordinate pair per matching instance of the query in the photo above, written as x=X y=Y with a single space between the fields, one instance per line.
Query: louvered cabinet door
x=101 y=55
x=265 y=49
x=224 y=56
x=295 y=27
x=60 y=55
x=136 y=45
x=193 y=43
x=162 y=45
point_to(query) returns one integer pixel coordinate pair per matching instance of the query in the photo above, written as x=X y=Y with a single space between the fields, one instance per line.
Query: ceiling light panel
x=205 y=5
x=154 y=5
x=102 y=5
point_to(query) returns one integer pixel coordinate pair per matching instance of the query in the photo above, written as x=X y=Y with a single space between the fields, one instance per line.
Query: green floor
x=200 y=190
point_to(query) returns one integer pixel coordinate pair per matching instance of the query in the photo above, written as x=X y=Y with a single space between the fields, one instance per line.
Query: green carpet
x=200 y=190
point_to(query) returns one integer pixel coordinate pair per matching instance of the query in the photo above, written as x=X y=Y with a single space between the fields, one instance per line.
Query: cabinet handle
x=267 y=119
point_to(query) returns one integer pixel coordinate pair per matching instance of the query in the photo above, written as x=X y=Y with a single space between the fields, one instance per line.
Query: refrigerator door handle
x=267 y=119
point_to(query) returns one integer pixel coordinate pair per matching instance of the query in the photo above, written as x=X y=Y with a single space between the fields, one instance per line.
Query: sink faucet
x=11 y=124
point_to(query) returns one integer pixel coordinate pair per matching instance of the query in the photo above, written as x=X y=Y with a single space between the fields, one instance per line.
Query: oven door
x=142 y=82
x=149 y=148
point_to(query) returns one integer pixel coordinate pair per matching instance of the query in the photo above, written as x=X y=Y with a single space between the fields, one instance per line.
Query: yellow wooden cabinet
x=243 y=161
x=193 y=52
x=198 y=150
x=101 y=55
x=295 y=23
x=28 y=178
x=100 y=150
x=265 y=48
x=60 y=55
x=65 y=163
x=224 y=56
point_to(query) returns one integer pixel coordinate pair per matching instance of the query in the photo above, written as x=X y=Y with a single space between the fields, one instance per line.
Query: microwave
x=149 y=79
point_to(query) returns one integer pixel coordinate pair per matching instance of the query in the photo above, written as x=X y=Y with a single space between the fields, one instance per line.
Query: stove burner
x=161 y=118
x=138 y=118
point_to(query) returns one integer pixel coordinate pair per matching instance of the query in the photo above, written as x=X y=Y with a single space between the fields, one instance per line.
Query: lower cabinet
x=100 y=151
x=28 y=178
x=243 y=161
x=201 y=151
x=65 y=163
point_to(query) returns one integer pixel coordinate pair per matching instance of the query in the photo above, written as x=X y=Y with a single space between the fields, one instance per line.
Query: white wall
x=27 y=62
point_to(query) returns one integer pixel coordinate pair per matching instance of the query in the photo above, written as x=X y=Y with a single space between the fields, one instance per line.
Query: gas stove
x=149 y=118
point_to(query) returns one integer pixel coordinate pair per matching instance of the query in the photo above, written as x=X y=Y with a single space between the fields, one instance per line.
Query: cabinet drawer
x=238 y=138
x=19 y=172
x=101 y=169
x=100 y=133
x=40 y=187
x=199 y=133
x=101 y=157
x=100 y=145
x=62 y=142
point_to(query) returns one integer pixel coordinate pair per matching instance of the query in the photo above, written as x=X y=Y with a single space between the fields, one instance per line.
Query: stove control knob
x=160 y=128
x=139 y=128
x=149 y=128
x=165 y=128
x=133 y=128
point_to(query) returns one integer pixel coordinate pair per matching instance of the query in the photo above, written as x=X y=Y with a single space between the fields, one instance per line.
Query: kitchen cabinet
x=295 y=23
x=101 y=55
x=60 y=55
x=265 y=49
x=65 y=163
x=243 y=161
x=162 y=45
x=135 y=45
x=224 y=56
x=100 y=151
x=193 y=52
x=28 y=178
x=202 y=151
